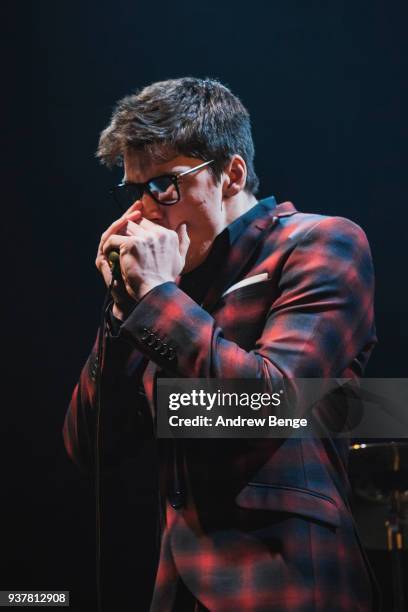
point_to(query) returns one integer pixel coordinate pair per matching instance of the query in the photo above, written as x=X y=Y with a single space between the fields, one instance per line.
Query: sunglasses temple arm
x=195 y=168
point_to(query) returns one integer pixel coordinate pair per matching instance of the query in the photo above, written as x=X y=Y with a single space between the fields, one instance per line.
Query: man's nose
x=152 y=210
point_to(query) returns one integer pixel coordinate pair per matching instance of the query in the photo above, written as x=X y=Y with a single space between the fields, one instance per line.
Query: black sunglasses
x=164 y=189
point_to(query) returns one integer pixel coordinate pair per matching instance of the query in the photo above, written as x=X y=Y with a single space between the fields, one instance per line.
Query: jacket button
x=152 y=340
x=171 y=354
x=177 y=499
x=164 y=349
x=145 y=335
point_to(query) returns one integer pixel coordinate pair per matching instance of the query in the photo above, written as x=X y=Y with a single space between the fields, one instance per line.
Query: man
x=248 y=525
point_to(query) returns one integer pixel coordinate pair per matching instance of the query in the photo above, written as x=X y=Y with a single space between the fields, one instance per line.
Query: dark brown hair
x=189 y=116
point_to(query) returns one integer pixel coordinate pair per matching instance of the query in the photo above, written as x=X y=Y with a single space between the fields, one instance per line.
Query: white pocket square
x=257 y=278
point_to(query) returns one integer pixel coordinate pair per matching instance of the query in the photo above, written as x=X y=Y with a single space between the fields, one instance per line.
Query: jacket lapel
x=242 y=250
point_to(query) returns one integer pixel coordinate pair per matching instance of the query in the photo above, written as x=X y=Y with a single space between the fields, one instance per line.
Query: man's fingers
x=133 y=225
x=113 y=243
x=137 y=205
x=135 y=216
x=149 y=225
x=184 y=239
x=134 y=212
x=181 y=230
x=104 y=267
x=114 y=227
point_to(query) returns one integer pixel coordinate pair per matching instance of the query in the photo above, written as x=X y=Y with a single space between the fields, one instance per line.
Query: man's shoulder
x=289 y=216
x=314 y=226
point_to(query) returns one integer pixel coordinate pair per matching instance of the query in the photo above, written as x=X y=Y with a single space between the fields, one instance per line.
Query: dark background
x=326 y=86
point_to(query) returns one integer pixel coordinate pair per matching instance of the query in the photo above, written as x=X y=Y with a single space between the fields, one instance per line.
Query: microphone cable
x=115 y=267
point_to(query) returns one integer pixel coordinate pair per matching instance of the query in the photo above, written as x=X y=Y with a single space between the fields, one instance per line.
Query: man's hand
x=150 y=254
x=123 y=303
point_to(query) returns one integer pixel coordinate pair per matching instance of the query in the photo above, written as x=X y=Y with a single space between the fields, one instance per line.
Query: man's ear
x=234 y=179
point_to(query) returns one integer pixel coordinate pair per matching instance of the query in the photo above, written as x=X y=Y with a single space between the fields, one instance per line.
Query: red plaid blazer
x=265 y=525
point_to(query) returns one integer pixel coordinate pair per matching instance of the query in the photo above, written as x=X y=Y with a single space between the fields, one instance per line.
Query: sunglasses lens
x=164 y=190
x=126 y=195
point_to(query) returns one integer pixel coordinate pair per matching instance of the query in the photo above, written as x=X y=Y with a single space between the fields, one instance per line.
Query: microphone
x=114 y=262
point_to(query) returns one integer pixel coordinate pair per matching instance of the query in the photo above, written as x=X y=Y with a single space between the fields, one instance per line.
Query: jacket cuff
x=169 y=328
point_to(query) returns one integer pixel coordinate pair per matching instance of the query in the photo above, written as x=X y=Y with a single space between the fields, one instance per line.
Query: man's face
x=200 y=204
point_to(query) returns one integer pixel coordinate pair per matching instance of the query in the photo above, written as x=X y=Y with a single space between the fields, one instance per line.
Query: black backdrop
x=326 y=86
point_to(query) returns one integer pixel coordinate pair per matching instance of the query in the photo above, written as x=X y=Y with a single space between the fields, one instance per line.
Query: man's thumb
x=184 y=240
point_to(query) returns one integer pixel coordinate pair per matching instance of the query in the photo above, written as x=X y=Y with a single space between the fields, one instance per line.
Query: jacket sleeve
x=320 y=320
x=125 y=415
